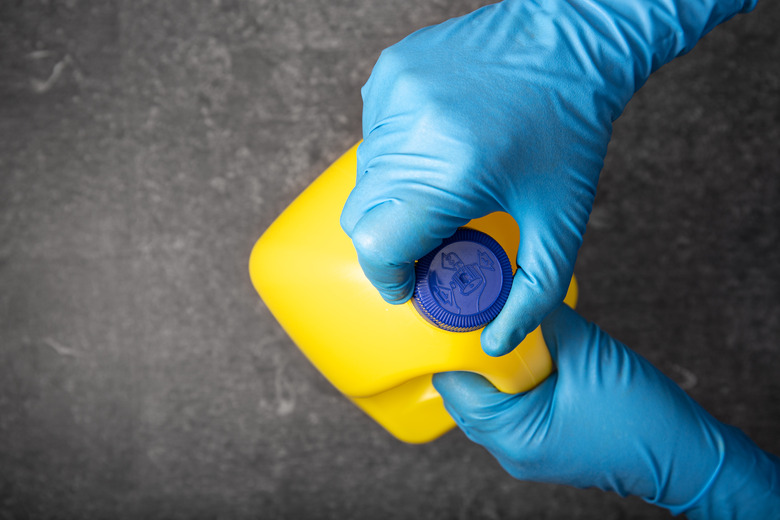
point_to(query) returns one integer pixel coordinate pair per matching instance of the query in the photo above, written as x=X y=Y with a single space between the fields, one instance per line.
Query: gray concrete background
x=144 y=146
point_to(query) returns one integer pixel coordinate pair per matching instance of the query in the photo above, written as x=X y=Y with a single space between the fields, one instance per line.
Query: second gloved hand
x=507 y=109
x=607 y=418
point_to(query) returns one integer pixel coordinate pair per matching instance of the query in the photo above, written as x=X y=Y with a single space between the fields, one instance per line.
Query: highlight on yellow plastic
x=380 y=356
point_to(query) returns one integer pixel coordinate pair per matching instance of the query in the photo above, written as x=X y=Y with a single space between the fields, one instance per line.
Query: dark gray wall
x=144 y=146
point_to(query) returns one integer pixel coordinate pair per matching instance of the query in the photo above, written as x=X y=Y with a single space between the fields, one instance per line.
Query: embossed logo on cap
x=464 y=283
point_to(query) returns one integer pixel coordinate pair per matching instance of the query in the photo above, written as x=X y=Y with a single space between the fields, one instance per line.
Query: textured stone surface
x=144 y=146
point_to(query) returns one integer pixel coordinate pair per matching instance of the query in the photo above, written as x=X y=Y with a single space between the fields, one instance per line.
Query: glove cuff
x=677 y=509
x=657 y=31
x=744 y=485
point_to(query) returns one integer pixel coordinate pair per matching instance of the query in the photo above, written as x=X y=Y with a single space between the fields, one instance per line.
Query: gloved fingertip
x=399 y=295
x=498 y=339
x=444 y=382
x=496 y=349
x=395 y=283
x=463 y=390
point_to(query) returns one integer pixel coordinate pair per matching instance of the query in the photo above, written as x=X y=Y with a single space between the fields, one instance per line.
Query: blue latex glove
x=607 y=418
x=509 y=108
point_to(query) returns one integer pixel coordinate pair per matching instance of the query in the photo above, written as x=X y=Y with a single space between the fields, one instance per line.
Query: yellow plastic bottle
x=380 y=356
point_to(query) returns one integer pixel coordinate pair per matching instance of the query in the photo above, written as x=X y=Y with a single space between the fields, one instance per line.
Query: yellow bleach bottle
x=382 y=356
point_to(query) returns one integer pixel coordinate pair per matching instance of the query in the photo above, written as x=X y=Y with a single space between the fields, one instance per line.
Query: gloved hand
x=607 y=418
x=509 y=108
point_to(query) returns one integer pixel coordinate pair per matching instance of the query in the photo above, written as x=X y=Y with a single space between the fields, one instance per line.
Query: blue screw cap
x=463 y=284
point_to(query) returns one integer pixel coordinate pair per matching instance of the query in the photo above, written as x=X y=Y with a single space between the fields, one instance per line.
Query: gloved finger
x=470 y=398
x=390 y=237
x=492 y=418
x=468 y=393
x=396 y=215
x=545 y=259
x=539 y=285
x=474 y=400
x=529 y=300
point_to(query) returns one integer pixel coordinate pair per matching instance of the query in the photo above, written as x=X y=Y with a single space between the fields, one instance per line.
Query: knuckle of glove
x=374 y=249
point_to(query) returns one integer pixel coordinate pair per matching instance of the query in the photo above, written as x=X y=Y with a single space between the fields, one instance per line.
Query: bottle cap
x=463 y=284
